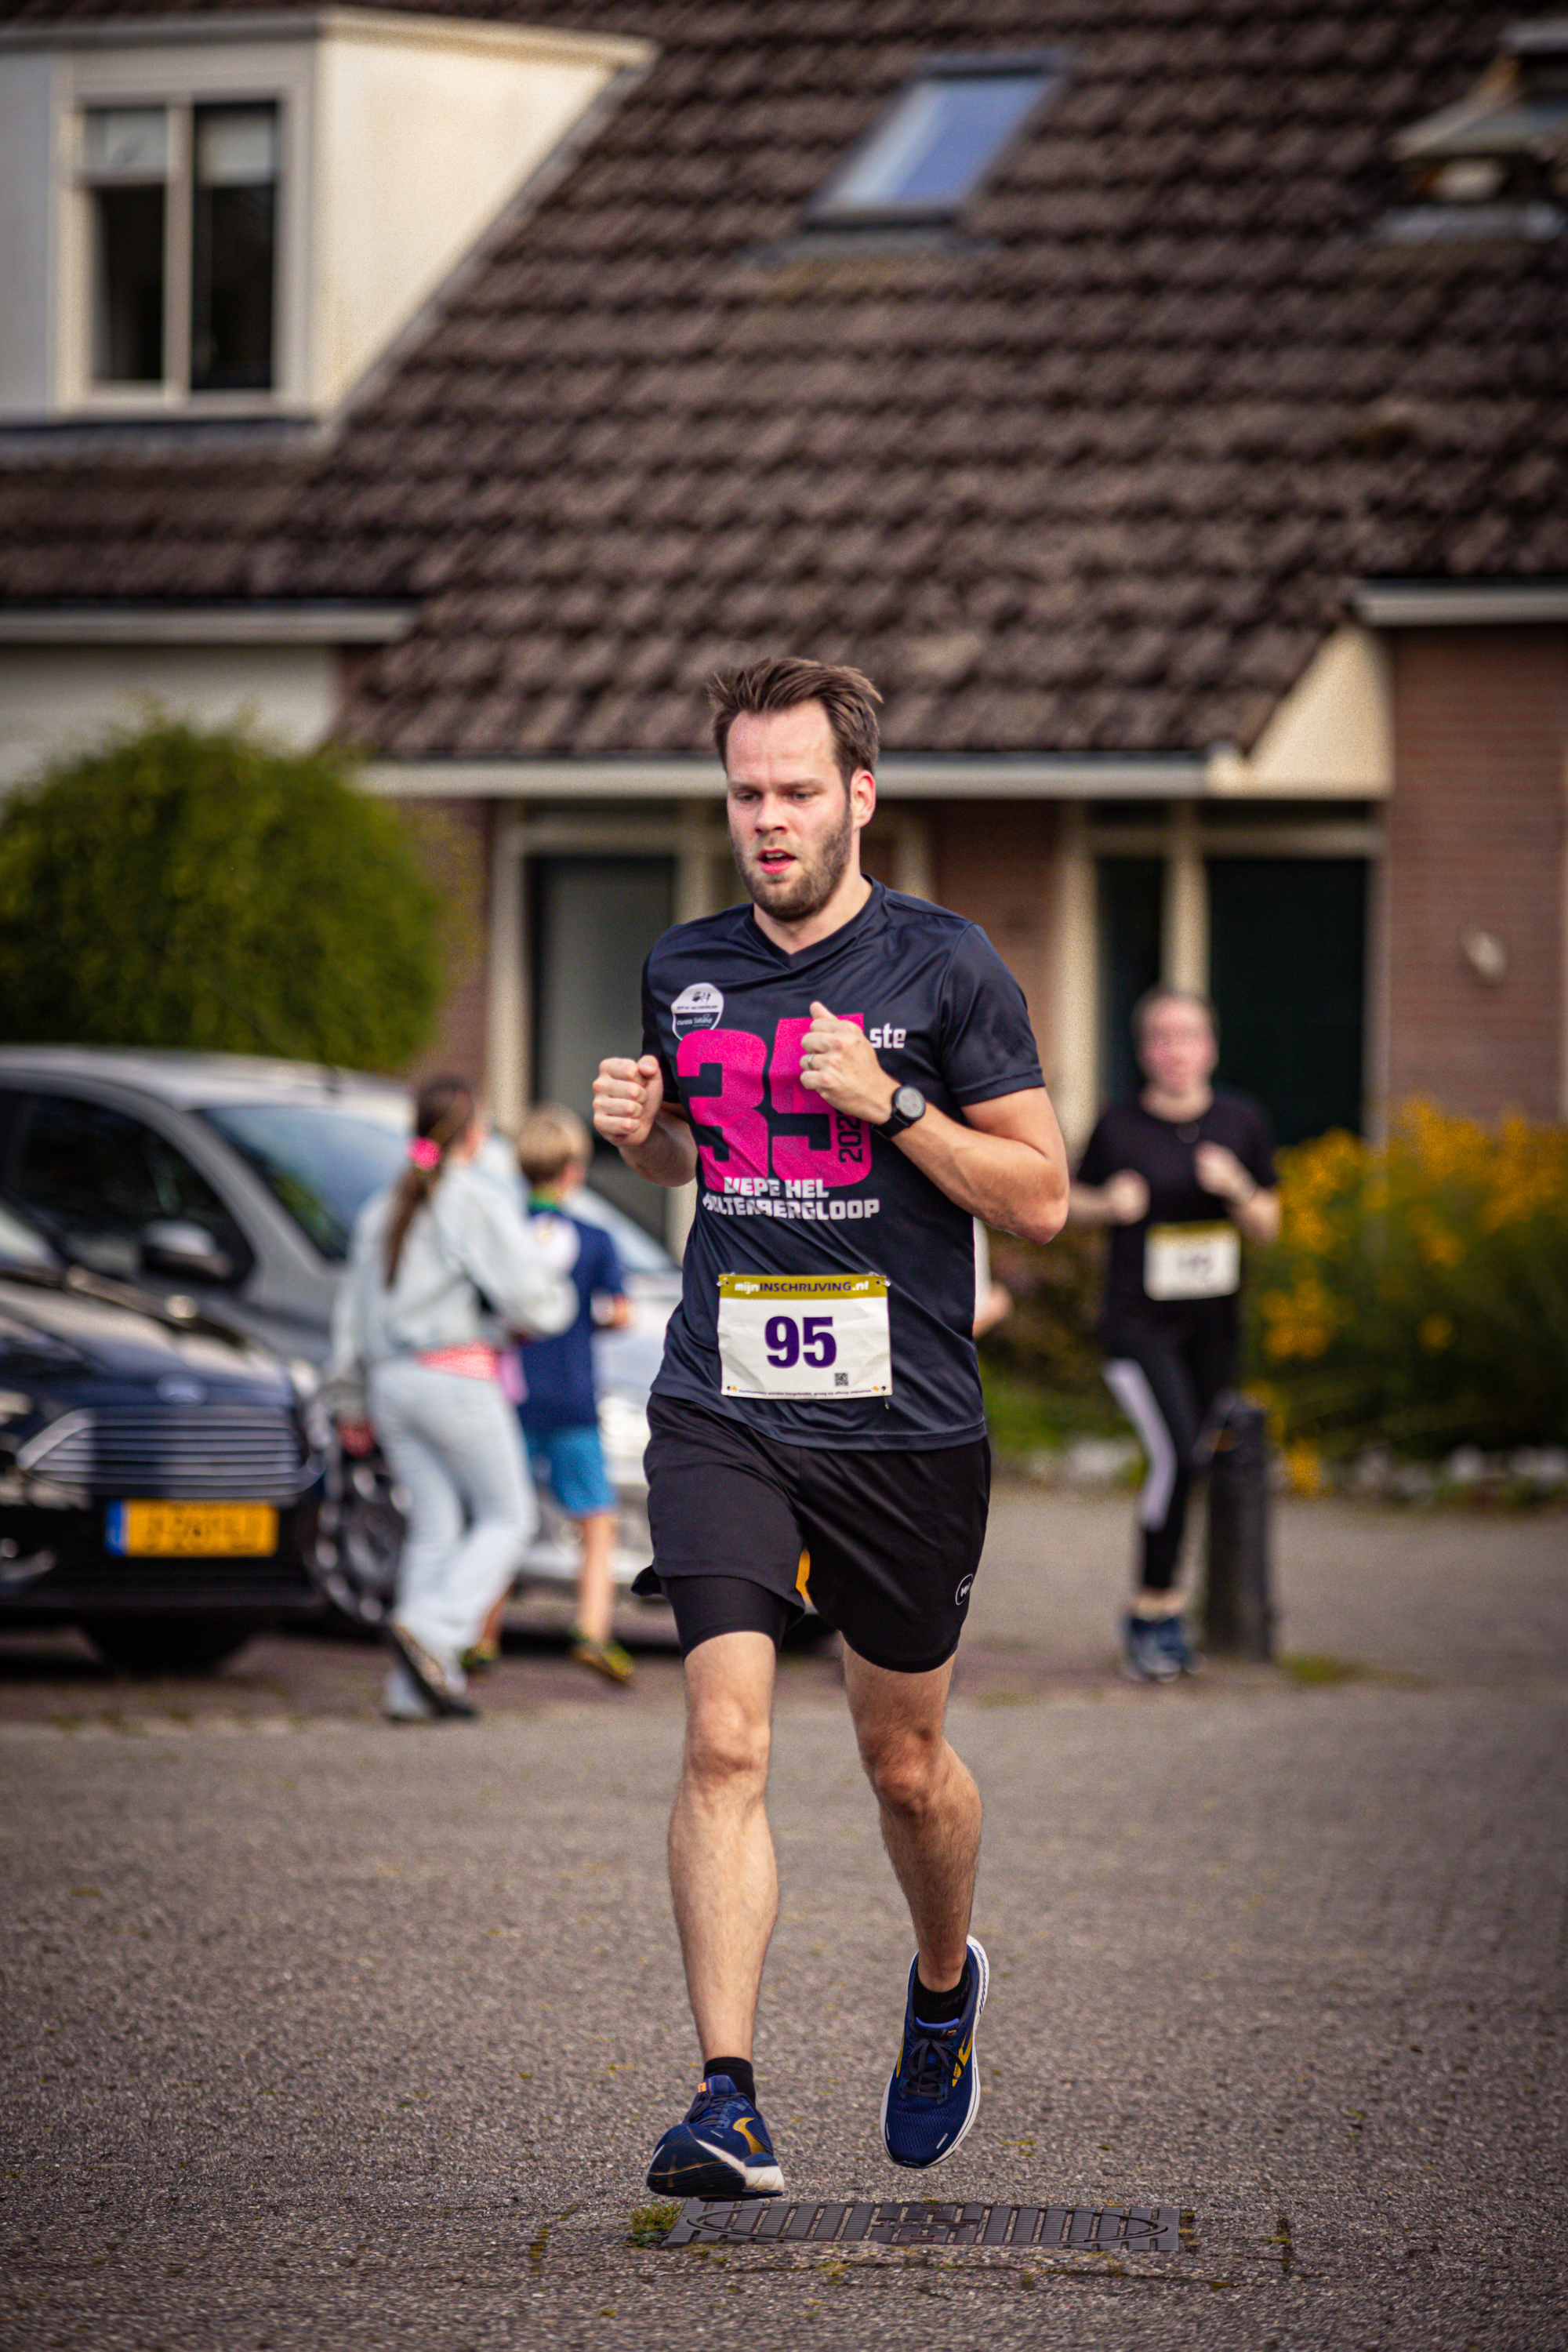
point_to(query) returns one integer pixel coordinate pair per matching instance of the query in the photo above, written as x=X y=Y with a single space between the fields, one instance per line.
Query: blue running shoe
x=1171 y=1636
x=1145 y=1655
x=722 y=2149
x=934 y=2092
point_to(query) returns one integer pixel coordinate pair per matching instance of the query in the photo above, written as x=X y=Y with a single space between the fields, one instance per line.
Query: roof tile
x=1093 y=478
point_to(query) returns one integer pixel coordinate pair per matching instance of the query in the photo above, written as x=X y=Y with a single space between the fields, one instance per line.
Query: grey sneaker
x=1174 y=1641
x=441 y=1683
x=402 y=1700
x=1144 y=1656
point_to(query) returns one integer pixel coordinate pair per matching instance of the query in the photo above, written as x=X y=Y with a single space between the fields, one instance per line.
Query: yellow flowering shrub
x=1418 y=1294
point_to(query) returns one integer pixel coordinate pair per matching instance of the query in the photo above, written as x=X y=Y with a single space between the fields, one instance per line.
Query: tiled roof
x=1096 y=478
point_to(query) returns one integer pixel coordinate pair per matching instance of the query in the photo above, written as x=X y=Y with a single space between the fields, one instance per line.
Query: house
x=1163 y=403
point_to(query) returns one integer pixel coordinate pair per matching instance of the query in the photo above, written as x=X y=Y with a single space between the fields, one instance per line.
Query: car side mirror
x=169 y=1245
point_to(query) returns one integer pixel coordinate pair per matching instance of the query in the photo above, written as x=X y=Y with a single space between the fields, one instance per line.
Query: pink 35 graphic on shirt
x=728 y=1080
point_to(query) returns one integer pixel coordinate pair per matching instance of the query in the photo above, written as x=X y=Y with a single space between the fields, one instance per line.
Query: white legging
x=454 y=1447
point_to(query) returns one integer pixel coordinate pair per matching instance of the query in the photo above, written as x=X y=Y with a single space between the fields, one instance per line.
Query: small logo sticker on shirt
x=700 y=1006
x=961 y=1595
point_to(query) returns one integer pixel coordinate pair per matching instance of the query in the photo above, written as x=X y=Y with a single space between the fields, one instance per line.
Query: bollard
x=1238 y=1607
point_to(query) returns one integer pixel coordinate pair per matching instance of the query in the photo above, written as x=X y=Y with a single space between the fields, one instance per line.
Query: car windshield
x=320 y=1160
x=20 y=1245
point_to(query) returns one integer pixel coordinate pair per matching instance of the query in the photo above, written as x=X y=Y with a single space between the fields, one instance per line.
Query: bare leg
x=721 y=1870
x=928 y=1802
x=596 y=1588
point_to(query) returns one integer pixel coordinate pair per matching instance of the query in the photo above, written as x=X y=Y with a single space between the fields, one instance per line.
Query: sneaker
x=721 y=2149
x=1172 y=1636
x=1145 y=1657
x=480 y=1656
x=403 y=1701
x=934 y=2092
x=442 y=1684
x=606 y=1658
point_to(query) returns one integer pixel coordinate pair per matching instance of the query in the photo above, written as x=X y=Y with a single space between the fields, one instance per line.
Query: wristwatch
x=909 y=1104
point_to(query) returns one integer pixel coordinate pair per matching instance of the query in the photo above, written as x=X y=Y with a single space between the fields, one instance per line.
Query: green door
x=1128 y=893
x=1288 y=975
x=593 y=921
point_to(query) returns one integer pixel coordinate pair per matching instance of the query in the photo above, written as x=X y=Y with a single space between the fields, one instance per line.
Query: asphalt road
x=324 y=2032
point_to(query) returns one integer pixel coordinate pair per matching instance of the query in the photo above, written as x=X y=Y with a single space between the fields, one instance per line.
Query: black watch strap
x=909 y=1105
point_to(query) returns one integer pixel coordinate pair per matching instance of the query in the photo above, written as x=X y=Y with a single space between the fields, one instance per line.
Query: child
x=559 y=1413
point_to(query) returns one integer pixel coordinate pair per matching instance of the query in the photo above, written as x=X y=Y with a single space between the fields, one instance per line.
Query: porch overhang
x=908 y=776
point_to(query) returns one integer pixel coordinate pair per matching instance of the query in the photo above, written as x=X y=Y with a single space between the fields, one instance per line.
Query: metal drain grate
x=772 y=2221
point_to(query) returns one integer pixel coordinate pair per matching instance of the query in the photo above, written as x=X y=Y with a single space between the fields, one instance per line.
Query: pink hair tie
x=425 y=1153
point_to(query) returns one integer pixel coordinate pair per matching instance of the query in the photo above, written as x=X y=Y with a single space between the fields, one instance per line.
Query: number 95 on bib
x=804 y=1336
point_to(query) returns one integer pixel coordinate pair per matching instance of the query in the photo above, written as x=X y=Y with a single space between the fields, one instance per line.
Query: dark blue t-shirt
x=558 y=1372
x=787 y=1186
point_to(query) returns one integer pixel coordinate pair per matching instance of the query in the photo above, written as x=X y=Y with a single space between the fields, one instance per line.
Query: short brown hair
x=848 y=698
x=549 y=1140
x=1153 y=997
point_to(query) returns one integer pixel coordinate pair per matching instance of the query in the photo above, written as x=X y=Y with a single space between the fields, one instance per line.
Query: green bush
x=1419 y=1295
x=1041 y=1366
x=207 y=891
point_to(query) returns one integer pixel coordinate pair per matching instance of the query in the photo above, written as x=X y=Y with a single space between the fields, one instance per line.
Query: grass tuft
x=651 y=2224
x=1315 y=1673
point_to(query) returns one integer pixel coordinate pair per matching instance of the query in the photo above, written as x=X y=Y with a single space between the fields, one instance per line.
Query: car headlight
x=16 y=1405
x=306 y=1377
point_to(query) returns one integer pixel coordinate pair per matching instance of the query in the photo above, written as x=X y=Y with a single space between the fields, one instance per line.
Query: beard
x=816 y=876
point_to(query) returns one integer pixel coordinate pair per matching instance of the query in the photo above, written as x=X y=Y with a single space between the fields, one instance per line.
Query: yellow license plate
x=211 y=1531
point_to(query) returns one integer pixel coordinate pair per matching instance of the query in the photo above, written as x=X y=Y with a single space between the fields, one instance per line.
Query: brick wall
x=1475 y=841
x=455 y=839
x=995 y=862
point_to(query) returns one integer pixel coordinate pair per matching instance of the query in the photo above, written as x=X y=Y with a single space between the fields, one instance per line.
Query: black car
x=156 y=1466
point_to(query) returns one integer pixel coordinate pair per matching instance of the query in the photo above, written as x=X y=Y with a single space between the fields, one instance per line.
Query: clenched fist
x=1221 y=1173
x=838 y=1061
x=1126 y=1197
x=628 y=1097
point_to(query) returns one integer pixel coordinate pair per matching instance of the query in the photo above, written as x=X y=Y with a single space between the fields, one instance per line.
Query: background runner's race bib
x=804 y=1336
x=1191 y=1261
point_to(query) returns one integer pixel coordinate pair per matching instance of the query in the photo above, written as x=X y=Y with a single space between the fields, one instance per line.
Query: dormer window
x=234 y=232
x=1495 y=163
x=939 y=141
x=181 y=202
x=215 y=212
x=125 y=169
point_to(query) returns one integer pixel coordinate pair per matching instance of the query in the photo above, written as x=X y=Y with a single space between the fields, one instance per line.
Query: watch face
x=908 y=1102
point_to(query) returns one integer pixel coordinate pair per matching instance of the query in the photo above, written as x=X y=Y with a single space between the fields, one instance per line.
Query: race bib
x=804 y=1336
x=1191 y=1261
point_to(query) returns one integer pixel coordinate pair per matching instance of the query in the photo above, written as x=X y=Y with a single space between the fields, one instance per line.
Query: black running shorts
x=884 y=1545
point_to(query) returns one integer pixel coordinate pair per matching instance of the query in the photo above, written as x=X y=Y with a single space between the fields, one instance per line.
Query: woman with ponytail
x=441 y=1270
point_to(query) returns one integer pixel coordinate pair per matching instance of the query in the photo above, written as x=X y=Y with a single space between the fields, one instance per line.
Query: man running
x=1182 y=1174
x=851 y=1077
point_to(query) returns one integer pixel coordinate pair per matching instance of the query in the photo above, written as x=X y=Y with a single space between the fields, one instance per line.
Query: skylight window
x=940 y=138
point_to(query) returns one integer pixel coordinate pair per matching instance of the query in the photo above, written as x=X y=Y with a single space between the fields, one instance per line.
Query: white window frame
x=180 y=79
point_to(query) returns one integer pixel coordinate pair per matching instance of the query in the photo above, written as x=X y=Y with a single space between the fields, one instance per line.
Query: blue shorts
x=571 y=1462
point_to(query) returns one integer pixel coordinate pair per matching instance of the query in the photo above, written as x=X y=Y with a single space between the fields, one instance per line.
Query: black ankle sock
x=940 y=2008
x=739 y=2070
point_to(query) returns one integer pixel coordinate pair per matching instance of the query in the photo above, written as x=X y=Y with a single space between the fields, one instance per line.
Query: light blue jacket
x=470 y=1269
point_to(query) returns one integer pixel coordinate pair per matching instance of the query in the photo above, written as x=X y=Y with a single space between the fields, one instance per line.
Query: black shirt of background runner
x=1164 y=1155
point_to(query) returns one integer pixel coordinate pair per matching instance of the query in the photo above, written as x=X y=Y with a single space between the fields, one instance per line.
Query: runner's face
x=1178 y=1049
x=794 y=822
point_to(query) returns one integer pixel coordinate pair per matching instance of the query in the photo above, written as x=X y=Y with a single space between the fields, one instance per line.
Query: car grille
x=225 y=1452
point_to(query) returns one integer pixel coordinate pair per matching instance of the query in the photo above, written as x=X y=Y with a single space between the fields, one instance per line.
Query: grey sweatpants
x=454 y=1447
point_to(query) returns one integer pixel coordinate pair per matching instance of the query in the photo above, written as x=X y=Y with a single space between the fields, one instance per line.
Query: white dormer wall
x=402 y=140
